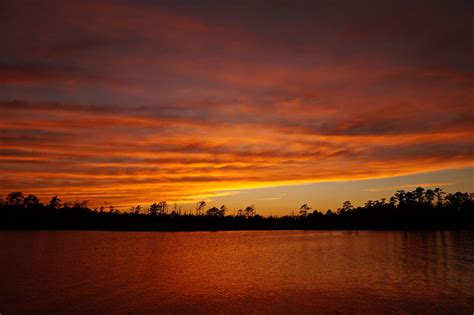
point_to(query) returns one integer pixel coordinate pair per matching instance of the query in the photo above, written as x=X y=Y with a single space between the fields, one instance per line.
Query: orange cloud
x=134 y=102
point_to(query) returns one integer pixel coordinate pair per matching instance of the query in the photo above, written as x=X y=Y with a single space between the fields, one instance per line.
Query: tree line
x=417 y=209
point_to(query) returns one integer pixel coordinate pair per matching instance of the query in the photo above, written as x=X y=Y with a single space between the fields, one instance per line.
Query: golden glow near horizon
x=130 y=103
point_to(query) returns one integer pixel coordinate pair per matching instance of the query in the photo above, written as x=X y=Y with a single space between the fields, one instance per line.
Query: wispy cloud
x=280 y=196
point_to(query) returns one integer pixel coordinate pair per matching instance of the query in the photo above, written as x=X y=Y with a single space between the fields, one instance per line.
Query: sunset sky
x=272 y=103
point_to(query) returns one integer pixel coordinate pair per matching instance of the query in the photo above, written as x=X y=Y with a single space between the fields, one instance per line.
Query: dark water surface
x=236 y=272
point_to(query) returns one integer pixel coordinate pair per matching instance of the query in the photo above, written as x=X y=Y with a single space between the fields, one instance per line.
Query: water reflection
x=237 y=272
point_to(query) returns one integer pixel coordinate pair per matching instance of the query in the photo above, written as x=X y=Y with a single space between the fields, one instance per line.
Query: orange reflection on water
x=237 y=272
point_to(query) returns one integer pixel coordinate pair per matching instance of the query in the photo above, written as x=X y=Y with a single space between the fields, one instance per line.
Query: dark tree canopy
x=417 y=209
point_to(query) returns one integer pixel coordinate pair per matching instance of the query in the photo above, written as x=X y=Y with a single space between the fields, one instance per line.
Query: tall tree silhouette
x=439 y=196
x=15 y=198
x=429 y=197
x=31 y=201
x=346 y=207
x=55 y=202
x=200 y=207
x=419 y=195
x=153 y=210
x=222 y=211
x=249 y=211
x=304 y=209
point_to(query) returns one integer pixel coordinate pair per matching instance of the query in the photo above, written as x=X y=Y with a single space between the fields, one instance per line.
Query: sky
x=271 y=103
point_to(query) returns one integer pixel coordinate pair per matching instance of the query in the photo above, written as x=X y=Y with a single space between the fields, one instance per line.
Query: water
x=236 y=272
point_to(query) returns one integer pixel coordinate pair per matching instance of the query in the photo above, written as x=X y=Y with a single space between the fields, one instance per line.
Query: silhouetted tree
x=136 y=210
x=419 y=195
x=212 y=211
x=400 y=198
x=346 y=207
x=162 y=207
x=55 y=202
x=304 y=209
x=429 y=197
x=222 y=211
x=175 y=209
x=457 y=200
x=439 y=196
x=249 y=211
x=15 y=198
x=153 y=210
x=410 y=198
x=77 y=204
x=31 y=201
x=200 y=207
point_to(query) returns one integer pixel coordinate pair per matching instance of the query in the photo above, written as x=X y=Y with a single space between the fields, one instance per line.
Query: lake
x=237 y=272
